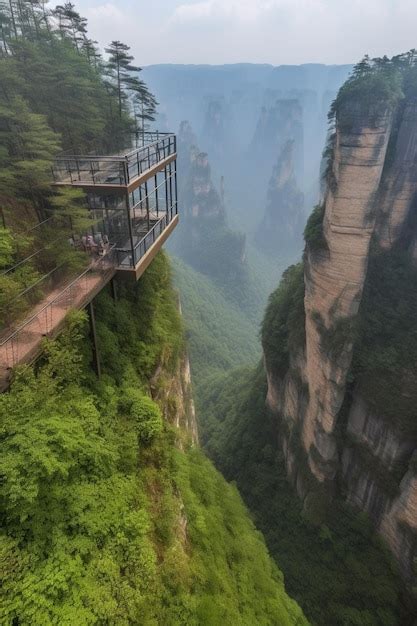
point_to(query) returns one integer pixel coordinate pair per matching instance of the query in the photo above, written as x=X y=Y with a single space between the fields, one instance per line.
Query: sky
x=255 y=31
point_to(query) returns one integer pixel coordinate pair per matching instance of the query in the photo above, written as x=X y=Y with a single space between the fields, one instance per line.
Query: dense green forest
x=109 y=514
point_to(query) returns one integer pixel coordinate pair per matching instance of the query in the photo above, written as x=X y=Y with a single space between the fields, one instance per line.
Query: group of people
x=94 y=244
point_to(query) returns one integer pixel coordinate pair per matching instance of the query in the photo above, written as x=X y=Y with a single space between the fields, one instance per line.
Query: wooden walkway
x=23 y=344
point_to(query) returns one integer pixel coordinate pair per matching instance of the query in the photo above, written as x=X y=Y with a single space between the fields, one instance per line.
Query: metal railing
x=130 y=258
x=119 y=170
x=23 y=343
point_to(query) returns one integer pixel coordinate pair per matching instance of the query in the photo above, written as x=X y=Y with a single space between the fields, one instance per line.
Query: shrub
x=283 y=327
x=145 y=413
x=6 y=247
x=313 y=232
x=11 y=305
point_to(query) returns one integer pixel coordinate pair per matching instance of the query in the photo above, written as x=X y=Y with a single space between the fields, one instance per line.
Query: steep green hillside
x=219 y=335
x=109 y=514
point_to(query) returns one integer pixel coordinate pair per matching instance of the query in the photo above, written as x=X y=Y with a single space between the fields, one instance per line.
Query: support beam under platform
x=96 y=352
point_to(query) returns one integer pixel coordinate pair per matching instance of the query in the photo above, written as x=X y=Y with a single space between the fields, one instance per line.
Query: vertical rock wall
x=371 y=197
x=335 y=276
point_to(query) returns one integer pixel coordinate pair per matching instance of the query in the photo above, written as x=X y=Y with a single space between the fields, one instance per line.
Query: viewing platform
x=132 y=196
x=152 y=153
x=132 y=202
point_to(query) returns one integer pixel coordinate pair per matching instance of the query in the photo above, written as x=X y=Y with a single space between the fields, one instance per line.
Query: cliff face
x=174 y=394
x=336 y=433
x=280 y=231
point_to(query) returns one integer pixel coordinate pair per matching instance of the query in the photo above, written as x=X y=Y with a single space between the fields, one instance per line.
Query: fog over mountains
x=242 y=116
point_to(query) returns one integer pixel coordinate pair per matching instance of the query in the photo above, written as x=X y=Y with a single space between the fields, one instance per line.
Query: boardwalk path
x=22 y=345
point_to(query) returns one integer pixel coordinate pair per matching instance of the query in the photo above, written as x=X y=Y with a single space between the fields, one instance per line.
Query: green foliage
x=338 y=337
x=11 y=306
x=219 y=335
x=338 y=571
x=283 y=327
x=144 y=412
x=223 y=538
x=28 y=147
x=6 y=247
x=374 y=88
x=313 y=232
x=144 y=328
x=384 y=357
x=37 y=121
x=103 y=520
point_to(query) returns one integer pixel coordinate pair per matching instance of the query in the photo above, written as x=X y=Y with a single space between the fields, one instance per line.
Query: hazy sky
x=257 y=31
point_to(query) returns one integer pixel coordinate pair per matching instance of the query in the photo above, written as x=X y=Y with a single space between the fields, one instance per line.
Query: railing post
x=129 y=222
x=156 y=195
x=176 y=187
x=68 y=166
x=96 y=353
x=147 y=204
x=166 y=190
x=170 y=188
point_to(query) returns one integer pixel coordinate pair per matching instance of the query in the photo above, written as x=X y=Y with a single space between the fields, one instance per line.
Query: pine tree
x=71 y=24
x=144 y=104
x=121 y=71
x=28 y=147
x=362 y=68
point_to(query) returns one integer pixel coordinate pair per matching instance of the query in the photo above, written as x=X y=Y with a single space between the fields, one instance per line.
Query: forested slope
x=109 y=514
x=57 y=93
x=219 y=335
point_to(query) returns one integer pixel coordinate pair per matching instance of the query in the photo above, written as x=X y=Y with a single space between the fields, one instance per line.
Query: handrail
x=149 y=145
x=63 y=156
x=119 y=170
x=54 y=300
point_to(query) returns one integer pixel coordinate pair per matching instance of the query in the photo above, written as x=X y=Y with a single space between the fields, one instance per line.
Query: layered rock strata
x=332 y=438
